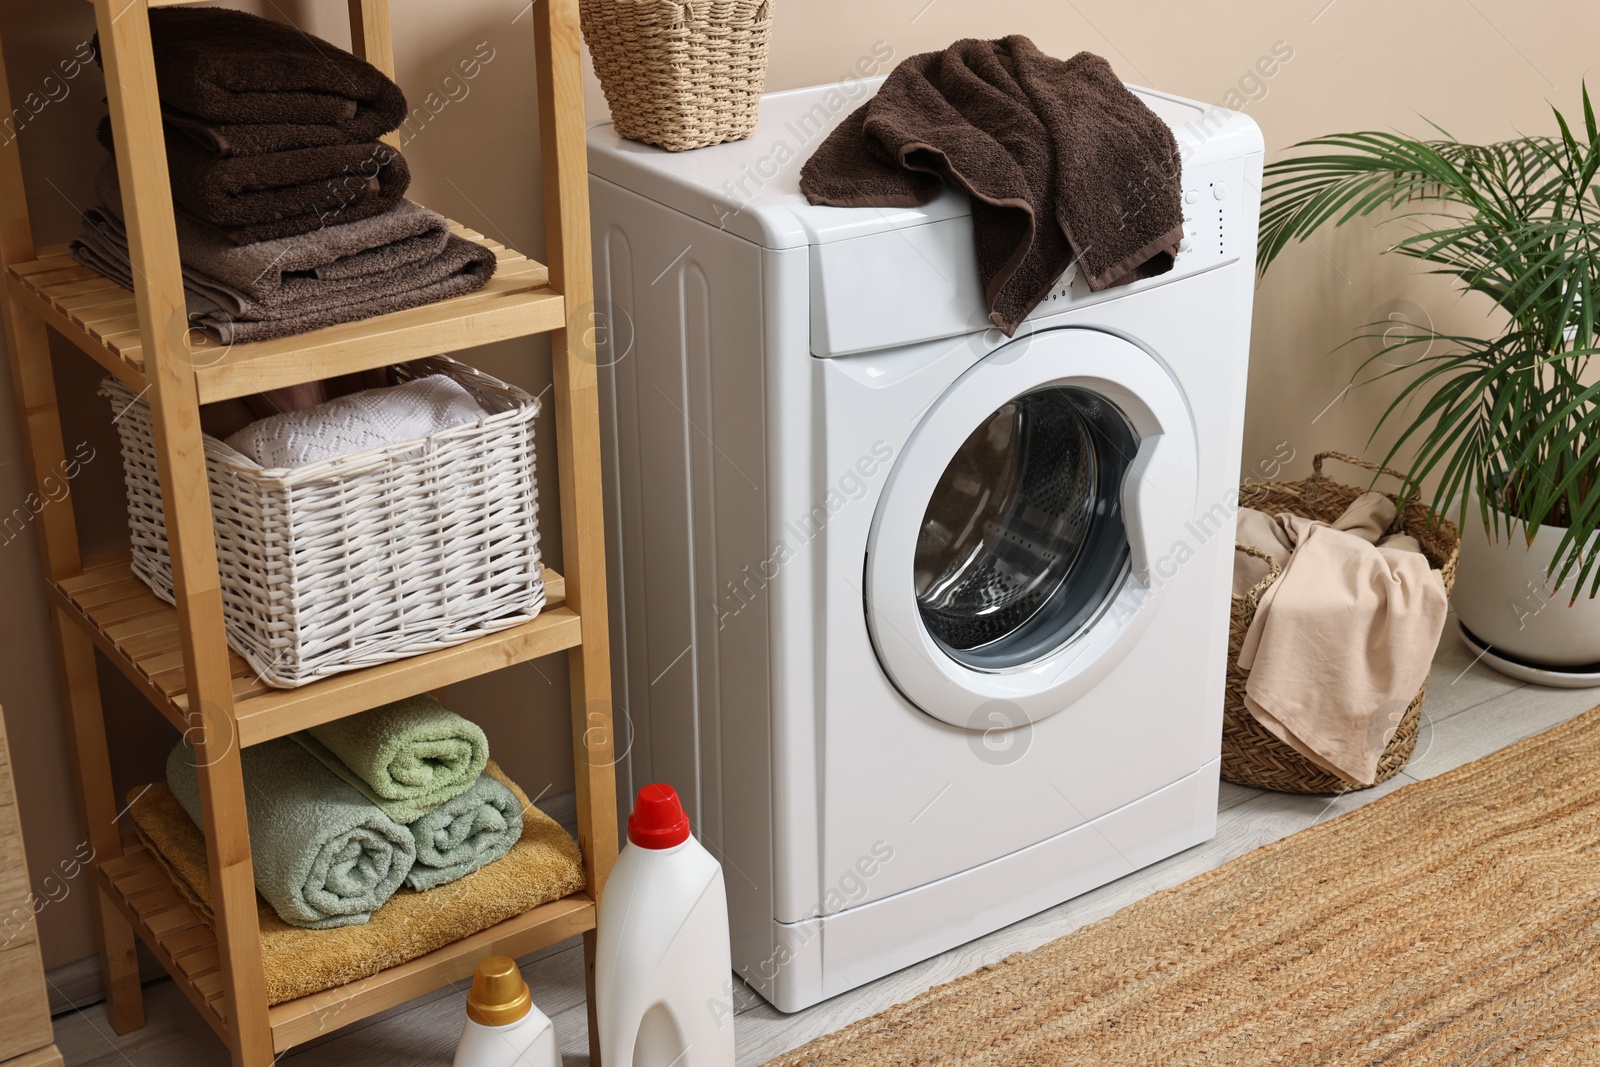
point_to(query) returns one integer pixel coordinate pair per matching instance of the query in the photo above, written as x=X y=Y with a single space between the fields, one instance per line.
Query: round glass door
x=1022 y=543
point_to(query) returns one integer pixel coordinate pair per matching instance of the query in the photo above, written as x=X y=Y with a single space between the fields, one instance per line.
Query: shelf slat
x=295 y=1022
x=121 y=878
x=177 y=933
x=139 y=633
x=98 y=316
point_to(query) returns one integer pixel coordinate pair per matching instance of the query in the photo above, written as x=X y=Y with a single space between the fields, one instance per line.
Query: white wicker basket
x=366 y=558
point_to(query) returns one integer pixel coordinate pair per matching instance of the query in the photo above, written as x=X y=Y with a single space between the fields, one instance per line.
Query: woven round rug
x=1454 y=922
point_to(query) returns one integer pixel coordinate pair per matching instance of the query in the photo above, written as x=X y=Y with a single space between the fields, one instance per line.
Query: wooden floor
x=1470 y=711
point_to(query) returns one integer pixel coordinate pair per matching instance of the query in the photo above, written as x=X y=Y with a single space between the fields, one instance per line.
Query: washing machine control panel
x=920 y=283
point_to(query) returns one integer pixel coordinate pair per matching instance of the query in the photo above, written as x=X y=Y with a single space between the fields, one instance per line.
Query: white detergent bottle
x=663 y=970
x=503 y=1028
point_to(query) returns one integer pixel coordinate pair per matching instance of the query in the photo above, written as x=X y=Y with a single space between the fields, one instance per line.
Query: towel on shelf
x=464 y=833
x=279 y=194
x=402 y=258
x=343 y=426
x=231 y=67
x=289 y=273
x=324 y=855
x=542 y=866
x=256 y=139
x=1345 y=637
x=407 y=757
x=1061 y=161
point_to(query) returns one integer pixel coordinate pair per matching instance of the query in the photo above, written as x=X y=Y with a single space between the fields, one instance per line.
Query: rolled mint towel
x=408 y=757
x=324 y=855
x=349 y=424
x=232 y=67
x=465 y=832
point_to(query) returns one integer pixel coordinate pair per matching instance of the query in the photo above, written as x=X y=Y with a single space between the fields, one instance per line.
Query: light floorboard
x=1470 y=712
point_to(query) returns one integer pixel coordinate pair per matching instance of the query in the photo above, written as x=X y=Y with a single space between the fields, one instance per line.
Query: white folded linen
x=357 y=422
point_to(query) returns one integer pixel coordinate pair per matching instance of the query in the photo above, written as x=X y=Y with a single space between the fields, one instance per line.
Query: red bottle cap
x=658 y=820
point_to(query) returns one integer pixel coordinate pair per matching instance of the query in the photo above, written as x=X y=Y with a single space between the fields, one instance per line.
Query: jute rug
x=1454 y=922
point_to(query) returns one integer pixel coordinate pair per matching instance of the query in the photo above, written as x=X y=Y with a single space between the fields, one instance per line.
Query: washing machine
x=927 y=625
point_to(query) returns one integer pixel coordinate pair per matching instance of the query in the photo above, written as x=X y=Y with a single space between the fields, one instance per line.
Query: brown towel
x=1061 y=160
x=401 y=259
x=250 y=140
x=1343 y=640
x=280 y=194
x=230 y=67
x=257 y=279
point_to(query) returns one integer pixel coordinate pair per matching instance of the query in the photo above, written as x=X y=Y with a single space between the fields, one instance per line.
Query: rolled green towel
x=464 y=833
x=407 y=757
x=324 y=855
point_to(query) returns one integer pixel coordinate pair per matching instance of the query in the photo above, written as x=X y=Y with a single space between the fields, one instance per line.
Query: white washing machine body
x=803 y=407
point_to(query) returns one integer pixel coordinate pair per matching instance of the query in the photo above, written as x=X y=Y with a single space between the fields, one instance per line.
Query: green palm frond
x=1513 y=418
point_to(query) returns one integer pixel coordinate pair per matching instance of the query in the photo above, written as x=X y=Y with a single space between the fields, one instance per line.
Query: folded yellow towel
x=543 y=865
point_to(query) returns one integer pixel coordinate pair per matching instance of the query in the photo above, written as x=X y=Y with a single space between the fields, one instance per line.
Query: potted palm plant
x=1506 y=424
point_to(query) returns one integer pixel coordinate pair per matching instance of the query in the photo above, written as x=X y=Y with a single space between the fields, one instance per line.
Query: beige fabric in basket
x=1343 y=640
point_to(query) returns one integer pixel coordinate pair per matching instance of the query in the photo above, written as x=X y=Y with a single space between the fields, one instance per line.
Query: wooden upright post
x=558 y=50
x=34 y=384
x=125 y=46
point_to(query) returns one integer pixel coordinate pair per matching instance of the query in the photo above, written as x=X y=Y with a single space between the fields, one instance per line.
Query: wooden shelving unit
x=177 y=656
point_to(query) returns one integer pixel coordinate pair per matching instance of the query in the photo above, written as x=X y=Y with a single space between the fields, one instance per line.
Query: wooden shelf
x=178 y=656
x=178 y=934
x=138 y=631
x=98 y=315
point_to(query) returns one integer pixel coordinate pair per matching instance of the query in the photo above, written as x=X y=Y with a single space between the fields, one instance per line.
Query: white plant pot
x=1504 y=595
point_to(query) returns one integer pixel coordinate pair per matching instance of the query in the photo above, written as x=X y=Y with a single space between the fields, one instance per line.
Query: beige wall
x=1481 y=68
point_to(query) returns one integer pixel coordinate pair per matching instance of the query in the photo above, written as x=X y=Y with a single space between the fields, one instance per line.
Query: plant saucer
x=1583 y=676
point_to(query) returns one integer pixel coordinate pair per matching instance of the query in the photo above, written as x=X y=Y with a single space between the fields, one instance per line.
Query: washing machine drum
x=1014 y=555
x=1022 y=541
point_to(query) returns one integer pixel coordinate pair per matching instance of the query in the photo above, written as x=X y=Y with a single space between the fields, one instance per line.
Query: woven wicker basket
x=680 y=73
x=366 y=558
x=1250 y=754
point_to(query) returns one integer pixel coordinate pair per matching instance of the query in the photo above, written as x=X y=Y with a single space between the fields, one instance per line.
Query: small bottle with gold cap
x=503 y=1027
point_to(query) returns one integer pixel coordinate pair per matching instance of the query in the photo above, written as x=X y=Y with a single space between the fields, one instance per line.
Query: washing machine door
x=1018 y=549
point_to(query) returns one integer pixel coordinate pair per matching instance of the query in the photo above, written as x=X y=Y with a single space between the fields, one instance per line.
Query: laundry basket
x=680 y=73
x=1251 y=755
x=365 y=558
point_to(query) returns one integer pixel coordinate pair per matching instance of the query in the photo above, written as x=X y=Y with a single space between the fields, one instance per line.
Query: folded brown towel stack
x=1061 y=160
x=271 y=132
x=400 y=259
x=233 y=69
x=291 y=214
x=268 y=195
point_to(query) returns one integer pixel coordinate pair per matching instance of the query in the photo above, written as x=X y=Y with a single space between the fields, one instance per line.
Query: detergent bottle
x=503 y=1028
x=664 y=964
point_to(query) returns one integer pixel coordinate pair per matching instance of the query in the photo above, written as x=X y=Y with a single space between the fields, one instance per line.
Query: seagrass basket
x=364 y=558
x=1251 y=755
x=680 y=73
